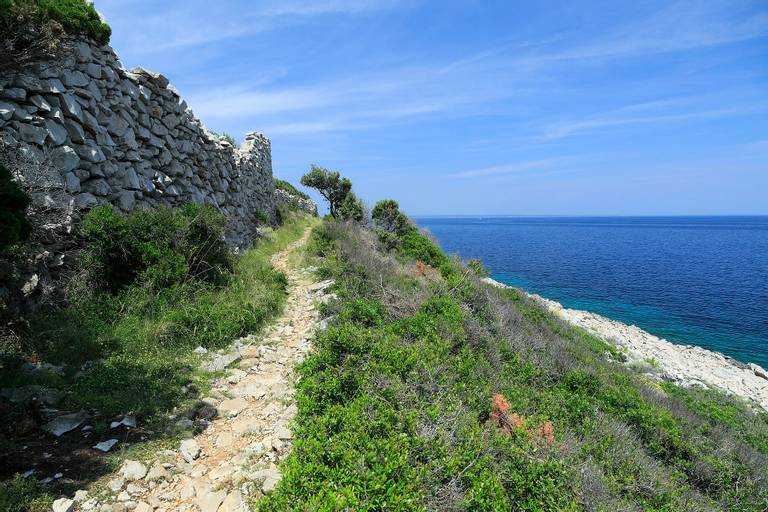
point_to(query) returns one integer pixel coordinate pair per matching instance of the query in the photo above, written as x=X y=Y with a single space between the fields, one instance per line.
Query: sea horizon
x=691 y=280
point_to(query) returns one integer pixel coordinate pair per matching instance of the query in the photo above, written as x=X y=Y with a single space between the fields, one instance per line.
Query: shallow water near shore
x=692 y=280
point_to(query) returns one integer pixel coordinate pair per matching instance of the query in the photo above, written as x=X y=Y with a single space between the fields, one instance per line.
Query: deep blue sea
x=692 y=280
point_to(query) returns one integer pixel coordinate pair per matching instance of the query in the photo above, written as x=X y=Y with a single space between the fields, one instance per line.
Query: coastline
x=685 y=365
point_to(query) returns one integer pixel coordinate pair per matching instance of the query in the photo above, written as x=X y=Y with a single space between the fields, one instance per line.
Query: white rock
x=189 y=449
x=210 y=501
x=116 y=484
x=133 y=470
x=233 y=407
x=63 y=505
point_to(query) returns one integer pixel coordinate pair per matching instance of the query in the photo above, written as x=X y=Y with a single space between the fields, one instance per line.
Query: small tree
x=351 y=208
x=388 y=217
x=331 y=186
x=14 y=226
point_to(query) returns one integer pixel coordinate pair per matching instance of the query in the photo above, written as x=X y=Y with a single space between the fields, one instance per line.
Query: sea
x=692 y=280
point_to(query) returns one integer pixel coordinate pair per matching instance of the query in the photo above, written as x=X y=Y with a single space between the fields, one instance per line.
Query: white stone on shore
x=685 y=365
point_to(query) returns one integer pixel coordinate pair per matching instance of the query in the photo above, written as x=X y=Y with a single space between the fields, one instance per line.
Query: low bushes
x=180 y=288
x=155 y=249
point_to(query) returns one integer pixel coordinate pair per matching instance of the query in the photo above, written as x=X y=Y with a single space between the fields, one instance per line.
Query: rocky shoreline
x=685 y=365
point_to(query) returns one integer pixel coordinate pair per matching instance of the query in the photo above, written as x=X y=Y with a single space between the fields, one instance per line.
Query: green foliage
x=351 y=208
x=155 y=249
x=388 y=217
x=76 y=16
x=143 y=338
x=24 y=495
x=14 y=226
x=419 y=247
x=330 y=185
x=287 y=187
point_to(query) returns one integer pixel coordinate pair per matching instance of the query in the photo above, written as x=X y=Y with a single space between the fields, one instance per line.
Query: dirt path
x=235 y=458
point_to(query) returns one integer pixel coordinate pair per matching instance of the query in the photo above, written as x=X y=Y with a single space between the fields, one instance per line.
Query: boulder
x=63 y=505
x=57 y=134
x=133 y=470
x=7 y=110
x=65 y=423
x=33 y=134
x=71 y=107
x=189 y=449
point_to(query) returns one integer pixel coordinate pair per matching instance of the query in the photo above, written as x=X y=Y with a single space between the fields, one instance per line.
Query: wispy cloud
x=614 y=119
x=315 y=7
x=197 y=22
x=512 y=168
x=680 y=25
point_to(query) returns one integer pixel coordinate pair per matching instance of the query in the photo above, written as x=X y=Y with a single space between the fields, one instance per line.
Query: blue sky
x=482 y=107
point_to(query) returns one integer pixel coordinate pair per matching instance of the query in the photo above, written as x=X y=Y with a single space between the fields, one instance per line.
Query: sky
x=472 y=107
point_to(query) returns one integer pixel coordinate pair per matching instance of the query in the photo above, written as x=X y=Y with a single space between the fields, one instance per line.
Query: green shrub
x=388 y=217
x=419 y=247
x=155 y=249
x=14 y=226
x=287 y=187
x=352 y=208
x=24 y=495
x=76 y=16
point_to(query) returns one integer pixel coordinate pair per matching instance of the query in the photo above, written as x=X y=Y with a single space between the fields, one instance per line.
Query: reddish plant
x=425 y=270
x=546 y=431
x=507 y=422
x=501 y=417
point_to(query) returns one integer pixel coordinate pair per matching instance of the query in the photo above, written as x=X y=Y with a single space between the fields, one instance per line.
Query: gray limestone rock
x=7 y=110
x=189 y=449
x=75 y=131
x=72 y=182
x=57 y=134
x=63 y=505
x=71 y=107
x=34 y=134
x=133 y=470
x=90 y=153
x=65 y=423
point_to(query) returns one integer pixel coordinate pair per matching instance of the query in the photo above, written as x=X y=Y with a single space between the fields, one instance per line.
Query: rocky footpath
x=685 y=365
x=247 y=419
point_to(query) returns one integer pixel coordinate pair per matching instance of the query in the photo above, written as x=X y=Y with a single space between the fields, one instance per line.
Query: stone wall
x=127 y=138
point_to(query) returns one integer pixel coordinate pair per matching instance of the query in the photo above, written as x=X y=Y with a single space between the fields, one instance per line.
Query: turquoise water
x=693 y=280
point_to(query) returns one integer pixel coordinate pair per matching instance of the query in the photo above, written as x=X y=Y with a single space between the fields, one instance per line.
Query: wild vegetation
x=34 y=31
x=287 y=187
x=431 y=390
x=152 y=287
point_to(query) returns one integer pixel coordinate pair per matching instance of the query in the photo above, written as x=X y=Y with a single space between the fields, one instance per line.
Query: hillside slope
x=432 y=390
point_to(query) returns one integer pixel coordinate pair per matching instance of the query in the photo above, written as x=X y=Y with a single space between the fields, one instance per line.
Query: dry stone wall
x=126 y=137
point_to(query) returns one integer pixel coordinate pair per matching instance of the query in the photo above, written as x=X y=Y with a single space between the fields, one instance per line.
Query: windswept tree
x=331 y=186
